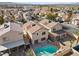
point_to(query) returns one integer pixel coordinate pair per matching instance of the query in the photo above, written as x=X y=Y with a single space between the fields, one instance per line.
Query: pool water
x=46 y=50
x=76 y=48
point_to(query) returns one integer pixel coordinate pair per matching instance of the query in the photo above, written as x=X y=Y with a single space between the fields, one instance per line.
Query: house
x=65 y=17
x=55 y=29
x=59 y=19
x=11 y=36
x=28 y=15
x=75 y=20
x=36 y=11
x=60 y=13
x=18 y=17
x=8 y=18
x=52 y=26
x=35 y=33
x=76 y=11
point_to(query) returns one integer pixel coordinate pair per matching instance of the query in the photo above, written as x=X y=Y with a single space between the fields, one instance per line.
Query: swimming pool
x=76 y=48
x=45 y=50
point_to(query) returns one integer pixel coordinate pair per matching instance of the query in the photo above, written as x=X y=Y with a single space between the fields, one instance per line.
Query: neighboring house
x=36 y=33
x=65 y=17
x=8 y=18
x=59 y=19
x=76 y=11
x=11 y=35
x=36 y=11
x=75 y=20
x=55 y=29
x=61 y=13
x=27 y=16
x=18 y=17
x=52 y=26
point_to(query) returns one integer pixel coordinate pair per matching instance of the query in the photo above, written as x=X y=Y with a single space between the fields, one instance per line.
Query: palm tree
x=51 y=9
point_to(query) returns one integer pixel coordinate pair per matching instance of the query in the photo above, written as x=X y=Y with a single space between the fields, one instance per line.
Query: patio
x=48 y=42
x=23 y=50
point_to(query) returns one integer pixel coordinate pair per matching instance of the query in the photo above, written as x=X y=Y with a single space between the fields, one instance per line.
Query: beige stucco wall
x=39 y=36
x=11 y=36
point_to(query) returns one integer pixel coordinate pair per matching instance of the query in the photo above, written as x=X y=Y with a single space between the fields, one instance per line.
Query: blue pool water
x=46 y=50
x=76 y=48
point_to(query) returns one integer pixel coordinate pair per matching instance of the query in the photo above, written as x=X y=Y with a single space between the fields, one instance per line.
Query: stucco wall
x=39 y=36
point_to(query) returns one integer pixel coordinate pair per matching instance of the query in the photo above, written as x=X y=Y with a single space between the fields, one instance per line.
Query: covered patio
x=13 y=48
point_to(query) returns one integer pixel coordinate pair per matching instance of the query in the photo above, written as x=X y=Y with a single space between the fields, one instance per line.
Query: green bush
x=1 y=20
x=52 y=16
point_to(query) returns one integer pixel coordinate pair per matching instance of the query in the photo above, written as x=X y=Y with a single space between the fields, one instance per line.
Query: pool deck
x=63 y=50
x=60 y=52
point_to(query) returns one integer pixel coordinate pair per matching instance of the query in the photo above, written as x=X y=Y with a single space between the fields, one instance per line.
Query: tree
x=78 y=8
x=56 y=10
x=1 y=20
x=51 y=9
x=52 y=16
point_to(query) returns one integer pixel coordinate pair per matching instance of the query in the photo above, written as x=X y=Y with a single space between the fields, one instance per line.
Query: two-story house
x=55 y=28
x=35 y=33
x=11 y=36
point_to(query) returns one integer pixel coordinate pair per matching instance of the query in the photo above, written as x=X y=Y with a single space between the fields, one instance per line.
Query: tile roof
x=31 y=26
x=12 y=26
x=48 y=23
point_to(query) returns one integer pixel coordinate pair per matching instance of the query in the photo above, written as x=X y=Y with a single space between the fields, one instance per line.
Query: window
x=36 y=41
x=37 y=33
x=5 y=39
x=42 y=39
x=54 y=29
x=43 y=33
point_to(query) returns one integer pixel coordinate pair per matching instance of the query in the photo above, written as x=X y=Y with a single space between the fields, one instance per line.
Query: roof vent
x=6 y=26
